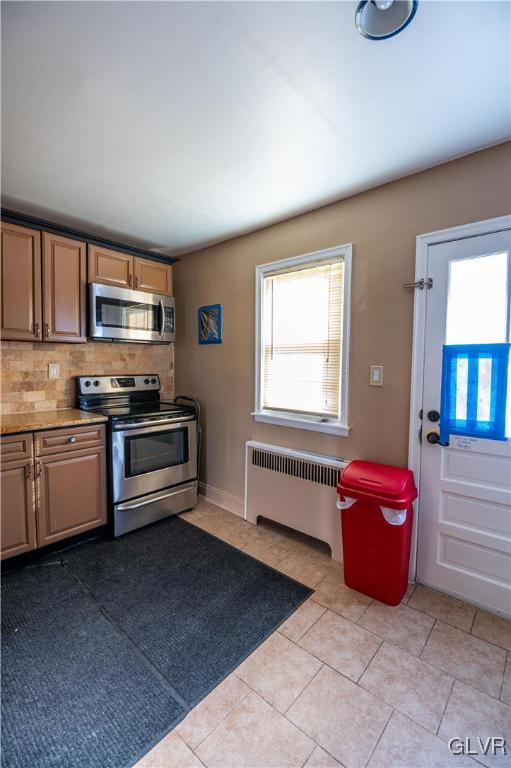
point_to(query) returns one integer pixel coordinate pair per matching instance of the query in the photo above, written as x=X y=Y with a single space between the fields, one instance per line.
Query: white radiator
x=294 y=488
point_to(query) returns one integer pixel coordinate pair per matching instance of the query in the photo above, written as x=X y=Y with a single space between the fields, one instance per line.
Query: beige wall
x=24 y=375
x=382 y=225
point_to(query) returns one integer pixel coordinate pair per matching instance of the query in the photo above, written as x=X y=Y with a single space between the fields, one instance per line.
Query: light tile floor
x=346 y=680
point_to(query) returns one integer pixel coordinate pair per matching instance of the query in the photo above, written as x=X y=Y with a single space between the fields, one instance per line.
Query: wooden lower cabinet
x=18 y=526
x=71 y=490
x=59 y=492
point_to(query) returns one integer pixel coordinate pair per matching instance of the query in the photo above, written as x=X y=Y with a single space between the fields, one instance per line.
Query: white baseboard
x=223 y=499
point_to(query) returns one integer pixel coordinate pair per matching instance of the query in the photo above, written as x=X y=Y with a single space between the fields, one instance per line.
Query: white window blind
x=302 y=339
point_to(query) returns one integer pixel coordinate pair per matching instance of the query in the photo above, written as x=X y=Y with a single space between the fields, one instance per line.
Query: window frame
x=335 y=426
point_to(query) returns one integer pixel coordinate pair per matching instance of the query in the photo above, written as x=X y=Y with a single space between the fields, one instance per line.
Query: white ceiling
x=180 y=124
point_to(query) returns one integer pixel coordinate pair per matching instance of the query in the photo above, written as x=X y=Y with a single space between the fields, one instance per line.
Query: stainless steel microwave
x=121 y=314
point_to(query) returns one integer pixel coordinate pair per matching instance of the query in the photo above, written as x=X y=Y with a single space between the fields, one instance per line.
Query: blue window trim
x=495 y=428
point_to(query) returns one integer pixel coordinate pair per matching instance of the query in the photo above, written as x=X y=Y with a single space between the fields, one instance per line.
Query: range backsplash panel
x=25 y=385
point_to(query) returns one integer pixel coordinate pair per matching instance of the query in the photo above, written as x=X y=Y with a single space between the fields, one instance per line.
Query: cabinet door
x=71 y=494
x=110 y=267
x=20 y=284
x=153 y=276
x=17 y=515
x=64 y=294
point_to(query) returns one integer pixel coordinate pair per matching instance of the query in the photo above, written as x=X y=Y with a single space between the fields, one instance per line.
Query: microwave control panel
x=169 y=320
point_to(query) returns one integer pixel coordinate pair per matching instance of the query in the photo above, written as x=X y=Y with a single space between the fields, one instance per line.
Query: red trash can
x=377 y=516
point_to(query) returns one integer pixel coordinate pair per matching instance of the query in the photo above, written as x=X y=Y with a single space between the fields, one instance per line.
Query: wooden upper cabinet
x=64 y=289
x=110 y=267
x=20 y=283
x=125 y=271
x=152 y=276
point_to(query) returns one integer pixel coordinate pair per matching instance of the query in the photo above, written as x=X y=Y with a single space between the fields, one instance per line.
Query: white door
x=464 y=518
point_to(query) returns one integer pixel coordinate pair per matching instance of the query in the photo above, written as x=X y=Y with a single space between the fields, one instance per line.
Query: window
x=477 y=309
x=479 y=312
x=302 y=341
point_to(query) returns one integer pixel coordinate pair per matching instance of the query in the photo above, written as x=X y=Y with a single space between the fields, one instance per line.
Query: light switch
x=376 y=375
x=53 y=370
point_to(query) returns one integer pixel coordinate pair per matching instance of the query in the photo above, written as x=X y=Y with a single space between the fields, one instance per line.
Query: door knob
x=433 y=438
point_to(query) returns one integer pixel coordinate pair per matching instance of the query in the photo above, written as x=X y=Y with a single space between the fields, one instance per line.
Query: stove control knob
x=146 y=381
x=96 y=383
x=153 y=381
x=86 y=383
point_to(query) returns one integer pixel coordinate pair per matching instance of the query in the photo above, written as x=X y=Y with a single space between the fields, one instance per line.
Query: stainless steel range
x=152 y=447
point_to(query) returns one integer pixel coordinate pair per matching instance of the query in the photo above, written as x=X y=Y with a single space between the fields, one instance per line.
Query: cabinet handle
x=39 y=468
x=130 y=280
x=28 y=470
x=136 y=282
x=72 y=439
x=35 y=329
x=46 y=330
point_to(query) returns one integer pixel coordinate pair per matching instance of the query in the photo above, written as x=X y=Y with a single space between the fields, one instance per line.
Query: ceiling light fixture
x=381 y=19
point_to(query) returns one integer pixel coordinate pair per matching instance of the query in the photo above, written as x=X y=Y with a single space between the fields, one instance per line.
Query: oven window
x=159 y=450
x=118 y=313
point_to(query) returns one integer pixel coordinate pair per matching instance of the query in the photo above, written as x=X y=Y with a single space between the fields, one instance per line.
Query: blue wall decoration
x=474 y=391
x=210 y=324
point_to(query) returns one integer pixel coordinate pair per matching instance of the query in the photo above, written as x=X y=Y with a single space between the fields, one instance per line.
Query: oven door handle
x=153 y=498
x=121 y=427
x=162 y=317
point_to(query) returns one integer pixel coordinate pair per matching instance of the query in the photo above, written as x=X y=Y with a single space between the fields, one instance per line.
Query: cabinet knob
x=72 y=439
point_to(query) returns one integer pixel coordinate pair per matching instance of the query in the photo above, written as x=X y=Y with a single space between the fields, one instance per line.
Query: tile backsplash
x=24 y=381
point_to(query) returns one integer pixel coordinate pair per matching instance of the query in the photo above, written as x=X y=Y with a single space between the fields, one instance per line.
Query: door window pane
x=484 y=389
x=461 y=389
x=477 y=308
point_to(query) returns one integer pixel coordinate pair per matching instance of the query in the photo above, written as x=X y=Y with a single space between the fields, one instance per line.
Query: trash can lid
x=381 y=484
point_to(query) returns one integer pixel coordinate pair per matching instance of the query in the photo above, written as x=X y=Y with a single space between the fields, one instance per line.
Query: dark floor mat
x=75 y=692
x=105 y=654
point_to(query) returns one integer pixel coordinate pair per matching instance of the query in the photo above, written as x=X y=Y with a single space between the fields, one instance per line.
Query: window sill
x=284 y=420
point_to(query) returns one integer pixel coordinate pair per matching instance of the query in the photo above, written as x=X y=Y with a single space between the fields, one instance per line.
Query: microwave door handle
x=162 y=317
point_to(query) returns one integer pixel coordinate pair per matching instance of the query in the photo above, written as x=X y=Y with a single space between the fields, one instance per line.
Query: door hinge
x=421 y=284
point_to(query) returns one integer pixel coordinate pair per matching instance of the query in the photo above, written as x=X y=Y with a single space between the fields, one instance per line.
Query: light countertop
x=33 y=422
